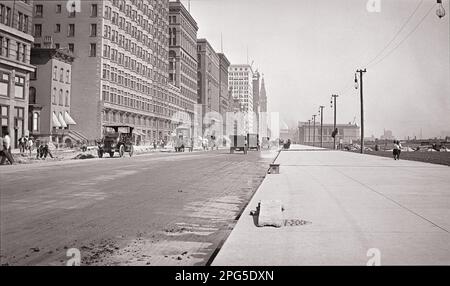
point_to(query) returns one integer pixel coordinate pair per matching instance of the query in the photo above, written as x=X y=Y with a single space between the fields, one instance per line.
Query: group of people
x=287 y=144
x=397 y=149
x=160 y=143
x=26 y=144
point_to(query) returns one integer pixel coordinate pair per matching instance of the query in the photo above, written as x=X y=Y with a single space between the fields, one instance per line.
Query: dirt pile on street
x=84 y=156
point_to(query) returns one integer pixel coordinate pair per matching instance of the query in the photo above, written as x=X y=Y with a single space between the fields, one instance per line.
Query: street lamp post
x=314 y=130
x=334 y=124
x=321 y=125
x=309 y=131
x=362 y=106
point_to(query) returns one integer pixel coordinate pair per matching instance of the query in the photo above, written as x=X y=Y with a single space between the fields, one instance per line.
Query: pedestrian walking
x=2 y=155
x=396 y=150
x=46 y=151
x=22 y=144
x=30 y=144
x=6 y=152
x=399 y=149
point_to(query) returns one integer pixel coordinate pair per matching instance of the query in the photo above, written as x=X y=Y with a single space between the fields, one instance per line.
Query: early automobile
x=253 y=141
x=116 y=138
x=238 y=143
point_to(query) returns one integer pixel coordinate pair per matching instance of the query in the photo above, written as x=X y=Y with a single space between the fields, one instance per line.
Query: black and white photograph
x=224 y=133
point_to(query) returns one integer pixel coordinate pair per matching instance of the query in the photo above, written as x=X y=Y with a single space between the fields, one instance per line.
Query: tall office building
x=208 y=75
x=15 y=67
x=120 y=71
x=240 y=79
x=183 y=54
x=224 y=93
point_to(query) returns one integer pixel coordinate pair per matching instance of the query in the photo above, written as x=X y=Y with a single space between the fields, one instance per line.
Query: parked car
x=238 y=143
x=253 y=141
x=117 y=138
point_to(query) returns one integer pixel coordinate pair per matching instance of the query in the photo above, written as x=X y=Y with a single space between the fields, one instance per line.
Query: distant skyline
x=310 y=49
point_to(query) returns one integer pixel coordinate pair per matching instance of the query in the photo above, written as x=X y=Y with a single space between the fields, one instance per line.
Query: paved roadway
x=153 y=209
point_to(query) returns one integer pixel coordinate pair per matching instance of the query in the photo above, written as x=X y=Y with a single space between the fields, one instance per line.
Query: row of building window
x=70 y=30
x=19 y=113
x=61 y=74
x=39 y=10
x=135 y=119
x=120 y=97
x=20 y=22
x=145 y=49
x=62 y=99
x=20 y=53
x=122 y=78
x=19 y=84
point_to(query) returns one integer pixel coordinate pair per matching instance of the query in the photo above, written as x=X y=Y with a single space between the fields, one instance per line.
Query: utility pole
x=362 y=107
x=334 y=125
x=321 y=125
x=309 y=131
x=314 y=130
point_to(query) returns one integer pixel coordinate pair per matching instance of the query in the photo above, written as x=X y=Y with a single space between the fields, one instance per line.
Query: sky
x=309 y=49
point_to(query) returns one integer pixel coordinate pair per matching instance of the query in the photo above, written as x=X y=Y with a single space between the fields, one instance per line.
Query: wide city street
x=151 y=209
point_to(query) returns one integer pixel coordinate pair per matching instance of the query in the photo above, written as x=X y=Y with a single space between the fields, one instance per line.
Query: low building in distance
x=348 y=133
x=50 y=97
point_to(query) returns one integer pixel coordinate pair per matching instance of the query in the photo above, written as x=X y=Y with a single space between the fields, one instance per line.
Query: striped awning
x=61 y=120
x=55 y=120
x=69 y=120
x=138 y=132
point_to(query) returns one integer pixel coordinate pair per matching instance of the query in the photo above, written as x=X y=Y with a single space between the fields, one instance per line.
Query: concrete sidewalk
x=353 y=203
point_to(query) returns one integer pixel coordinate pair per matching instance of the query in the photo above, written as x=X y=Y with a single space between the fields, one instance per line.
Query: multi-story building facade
x=240 y=79
x=208 y=77
x=183 y=54
x=120 y=72
x=50 y=96
x=224 y=92
x=15 y=68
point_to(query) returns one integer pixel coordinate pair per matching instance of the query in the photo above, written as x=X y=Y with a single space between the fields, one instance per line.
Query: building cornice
x=16 y=33
x=18 y=65
x=177 y=6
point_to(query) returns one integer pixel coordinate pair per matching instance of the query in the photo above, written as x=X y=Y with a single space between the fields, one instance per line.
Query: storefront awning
x=138 y=132
x=69 y=120
x=55 y=120
x=61 y=120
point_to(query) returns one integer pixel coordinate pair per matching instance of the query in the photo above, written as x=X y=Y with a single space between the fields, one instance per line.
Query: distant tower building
x=240 y=79
x=256 y=106
x=262 y=97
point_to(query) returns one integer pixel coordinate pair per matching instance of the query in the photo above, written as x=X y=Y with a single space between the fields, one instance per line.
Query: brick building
x=50 y=96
